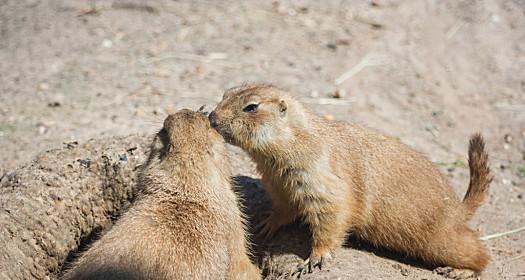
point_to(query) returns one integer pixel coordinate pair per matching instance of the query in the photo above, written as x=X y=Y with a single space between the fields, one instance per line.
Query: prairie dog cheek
x=267 y=133
x=262 y=135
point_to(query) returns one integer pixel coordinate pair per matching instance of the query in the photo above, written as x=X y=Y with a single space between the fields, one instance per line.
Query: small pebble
x=495 y=18
x=507 y=138
x=163 y=73
x=53 y=104
x=339 y=93
x=332 y=46
x=303 y=10
x=329 y=117
x=123 y=157
x=87 y=11
x=43 y=127
x=170 y=108
x=308 y=22
x=343 y=42
x=71 y=144
x=107 y=43
x=131 y=150
x=55 y=101
x=402 y=269
x=85 y=162
x=43 y=86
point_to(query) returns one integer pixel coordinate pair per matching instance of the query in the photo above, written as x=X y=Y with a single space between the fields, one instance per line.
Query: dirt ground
x=428 y=72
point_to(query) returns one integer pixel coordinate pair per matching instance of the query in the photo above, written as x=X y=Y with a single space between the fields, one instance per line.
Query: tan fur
x=339 y=176
x=185 y=223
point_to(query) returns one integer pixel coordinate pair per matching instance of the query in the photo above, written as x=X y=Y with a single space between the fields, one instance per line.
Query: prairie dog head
x=187 y=136
x=253 y=117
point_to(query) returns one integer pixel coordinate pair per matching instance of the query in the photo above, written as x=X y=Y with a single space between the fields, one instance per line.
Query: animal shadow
x=293 y=240
x=354 y=242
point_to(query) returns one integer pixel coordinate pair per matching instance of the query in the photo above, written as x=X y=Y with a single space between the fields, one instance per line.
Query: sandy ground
x=428 y=72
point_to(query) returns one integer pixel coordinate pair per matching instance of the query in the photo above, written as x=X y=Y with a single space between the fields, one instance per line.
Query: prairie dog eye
x=251 y=108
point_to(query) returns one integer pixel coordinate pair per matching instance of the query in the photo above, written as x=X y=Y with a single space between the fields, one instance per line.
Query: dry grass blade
x=500 y=234
x=454 y=29
x=511 y=107
x=327 y=101
x=368 y=60
x=516 y=258
x=210 y=58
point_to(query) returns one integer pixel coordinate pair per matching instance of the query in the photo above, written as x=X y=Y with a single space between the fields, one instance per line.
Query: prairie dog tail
x=480 y=176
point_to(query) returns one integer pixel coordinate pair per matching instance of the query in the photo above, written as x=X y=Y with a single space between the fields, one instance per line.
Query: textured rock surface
x=59 y=199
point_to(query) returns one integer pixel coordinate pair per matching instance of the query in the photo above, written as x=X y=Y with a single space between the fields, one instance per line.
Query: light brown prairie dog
x=185 y=222
x=340 y=176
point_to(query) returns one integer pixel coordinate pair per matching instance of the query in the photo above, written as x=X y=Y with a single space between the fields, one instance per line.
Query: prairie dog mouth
x=225 y=133
x=223 y=130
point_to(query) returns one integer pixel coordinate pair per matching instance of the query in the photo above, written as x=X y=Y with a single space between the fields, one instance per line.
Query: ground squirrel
x=185 y=222
x=341 y=177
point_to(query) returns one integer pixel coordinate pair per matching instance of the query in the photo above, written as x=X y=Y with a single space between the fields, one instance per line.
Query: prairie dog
x=185 y=222
x=338 y=177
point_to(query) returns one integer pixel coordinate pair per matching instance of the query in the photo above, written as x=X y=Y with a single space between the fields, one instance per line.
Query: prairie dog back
x=185 y=222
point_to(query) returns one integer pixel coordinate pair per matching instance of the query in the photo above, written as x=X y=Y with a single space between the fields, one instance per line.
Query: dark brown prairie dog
x=185 y=222
x=340 y=176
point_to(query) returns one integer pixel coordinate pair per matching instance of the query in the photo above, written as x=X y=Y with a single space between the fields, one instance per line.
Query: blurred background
x=428 y=72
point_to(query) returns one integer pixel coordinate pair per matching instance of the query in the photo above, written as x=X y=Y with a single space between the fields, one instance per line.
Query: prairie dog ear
x=283 y=107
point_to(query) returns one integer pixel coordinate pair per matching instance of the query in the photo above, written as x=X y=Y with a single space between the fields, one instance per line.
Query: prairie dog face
x=188 y=134
x=252 y=116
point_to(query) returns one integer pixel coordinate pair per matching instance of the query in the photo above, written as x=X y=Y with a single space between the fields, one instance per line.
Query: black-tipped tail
x=480 y=176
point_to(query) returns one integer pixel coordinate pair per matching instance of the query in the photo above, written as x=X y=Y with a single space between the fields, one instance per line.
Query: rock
x=49 y=205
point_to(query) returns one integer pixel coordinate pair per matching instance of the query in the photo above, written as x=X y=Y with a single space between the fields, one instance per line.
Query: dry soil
x=428 y=72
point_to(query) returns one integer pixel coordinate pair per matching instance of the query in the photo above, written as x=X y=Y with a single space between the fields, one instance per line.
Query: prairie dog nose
x=213 y=119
